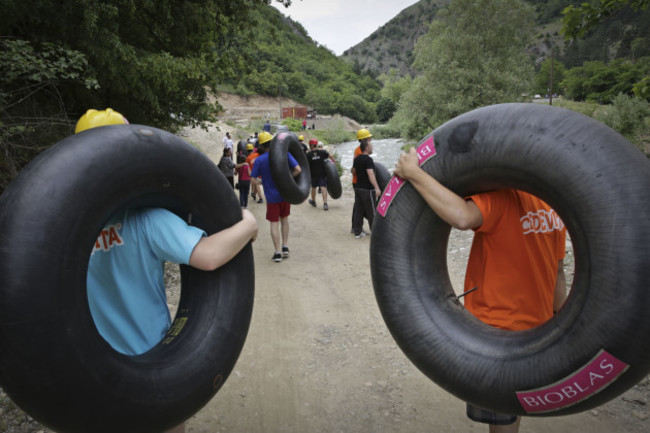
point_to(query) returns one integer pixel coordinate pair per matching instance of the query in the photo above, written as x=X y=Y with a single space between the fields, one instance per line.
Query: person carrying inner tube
x=125 y=282
x=301 y=141
x=256 y=190
x=277 y=208
x=316 y=158
x=366 y=189
x=515 y=272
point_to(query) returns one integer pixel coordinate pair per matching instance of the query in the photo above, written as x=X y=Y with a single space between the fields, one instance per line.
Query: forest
x=160 y=62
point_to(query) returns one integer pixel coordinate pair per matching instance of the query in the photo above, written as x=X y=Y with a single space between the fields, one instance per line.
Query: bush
x=627 y=116
x=386 y=107
x=385 y=131
x=335 y=133
x=295 y=125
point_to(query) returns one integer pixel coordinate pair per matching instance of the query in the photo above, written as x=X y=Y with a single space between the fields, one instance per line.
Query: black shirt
x=316 y=160
x=362 y=163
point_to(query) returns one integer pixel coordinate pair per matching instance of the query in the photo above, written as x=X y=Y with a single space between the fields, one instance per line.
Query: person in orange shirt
x=250 y=160
x=516 y=262
x=362 y=134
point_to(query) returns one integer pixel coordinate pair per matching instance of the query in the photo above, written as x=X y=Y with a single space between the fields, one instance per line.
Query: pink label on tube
x=590 y=379
x=425 y=151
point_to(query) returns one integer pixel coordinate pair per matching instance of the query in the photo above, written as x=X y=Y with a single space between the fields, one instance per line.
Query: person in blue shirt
x=125 y=282
x=277 y=209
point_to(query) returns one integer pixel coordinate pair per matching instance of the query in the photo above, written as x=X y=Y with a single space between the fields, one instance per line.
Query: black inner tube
x=597 y=182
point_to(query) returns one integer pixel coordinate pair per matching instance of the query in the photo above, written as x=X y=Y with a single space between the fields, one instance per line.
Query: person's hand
x=251 y=222
x=407 y=164
x=377 y=192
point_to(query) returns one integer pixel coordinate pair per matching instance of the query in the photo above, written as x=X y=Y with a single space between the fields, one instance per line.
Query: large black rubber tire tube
x=241 y=148
x=293 y=189
x=382 y=174
x=599 y=184
x=334 y=188
x=53 y=362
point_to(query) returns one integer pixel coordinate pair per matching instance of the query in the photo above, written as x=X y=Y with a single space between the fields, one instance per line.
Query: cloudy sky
x=341 y=24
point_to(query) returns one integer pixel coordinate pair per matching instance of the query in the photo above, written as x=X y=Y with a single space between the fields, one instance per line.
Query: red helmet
x=313 y=142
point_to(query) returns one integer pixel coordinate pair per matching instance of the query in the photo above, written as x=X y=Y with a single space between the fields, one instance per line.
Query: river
x=385 y=151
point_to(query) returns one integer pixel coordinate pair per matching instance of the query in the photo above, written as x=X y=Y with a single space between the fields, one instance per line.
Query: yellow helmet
x=363 y=133
x=95 y=118
x=301 y=138
x=264 y=137
x=249 y=146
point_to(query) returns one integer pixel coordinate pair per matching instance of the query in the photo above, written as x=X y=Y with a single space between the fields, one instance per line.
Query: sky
x=341 y=24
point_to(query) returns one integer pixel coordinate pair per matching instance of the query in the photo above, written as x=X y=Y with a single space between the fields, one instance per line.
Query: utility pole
x=550 y=84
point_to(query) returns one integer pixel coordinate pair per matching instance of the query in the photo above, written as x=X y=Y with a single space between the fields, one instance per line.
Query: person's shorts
x=488 y=417
x=318 y=181
x=275 y=211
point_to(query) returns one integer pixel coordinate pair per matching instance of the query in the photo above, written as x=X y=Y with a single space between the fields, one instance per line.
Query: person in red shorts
x=516 y=262
x=277 y=208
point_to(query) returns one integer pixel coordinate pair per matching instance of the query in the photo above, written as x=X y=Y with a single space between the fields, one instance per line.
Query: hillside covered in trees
x=625 y=34
x=391 y=46
x=285 y=61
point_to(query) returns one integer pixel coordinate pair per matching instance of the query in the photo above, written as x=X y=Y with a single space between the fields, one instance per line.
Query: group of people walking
x=250 y=181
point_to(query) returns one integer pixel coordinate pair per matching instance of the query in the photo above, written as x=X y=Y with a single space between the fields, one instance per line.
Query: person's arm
x=216 y=250
x=296 y=170
x=452 y=208
x=560 y=287
x=373 y=180
x=254 y=176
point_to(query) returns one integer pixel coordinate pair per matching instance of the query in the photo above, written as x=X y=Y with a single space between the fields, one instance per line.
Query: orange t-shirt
x=514 y=260
x=250 y=159
x=357 y=152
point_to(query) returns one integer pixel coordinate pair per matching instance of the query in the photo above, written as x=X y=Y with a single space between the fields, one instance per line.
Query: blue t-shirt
x=126 y=288
x=262 y=167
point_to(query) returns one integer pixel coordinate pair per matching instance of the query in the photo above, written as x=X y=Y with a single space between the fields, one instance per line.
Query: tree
x=394 y=85
x=578 y=20
x=28 y=74
x=600 y=82
x=385 y=109
x=152 y=61
x=473 y=55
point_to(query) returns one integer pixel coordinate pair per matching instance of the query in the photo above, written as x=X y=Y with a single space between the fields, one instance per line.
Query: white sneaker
x=360 y=235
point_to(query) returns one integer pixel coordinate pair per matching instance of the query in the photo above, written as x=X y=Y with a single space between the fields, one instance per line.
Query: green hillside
x=626 y=34
x=285 y=61
x=391 y=46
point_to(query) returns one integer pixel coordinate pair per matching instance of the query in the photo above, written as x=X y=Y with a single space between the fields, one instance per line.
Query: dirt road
x=319 y=357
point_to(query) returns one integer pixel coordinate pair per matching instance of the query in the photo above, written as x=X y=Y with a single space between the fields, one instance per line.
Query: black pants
x=244 y=189
x=365 y=203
